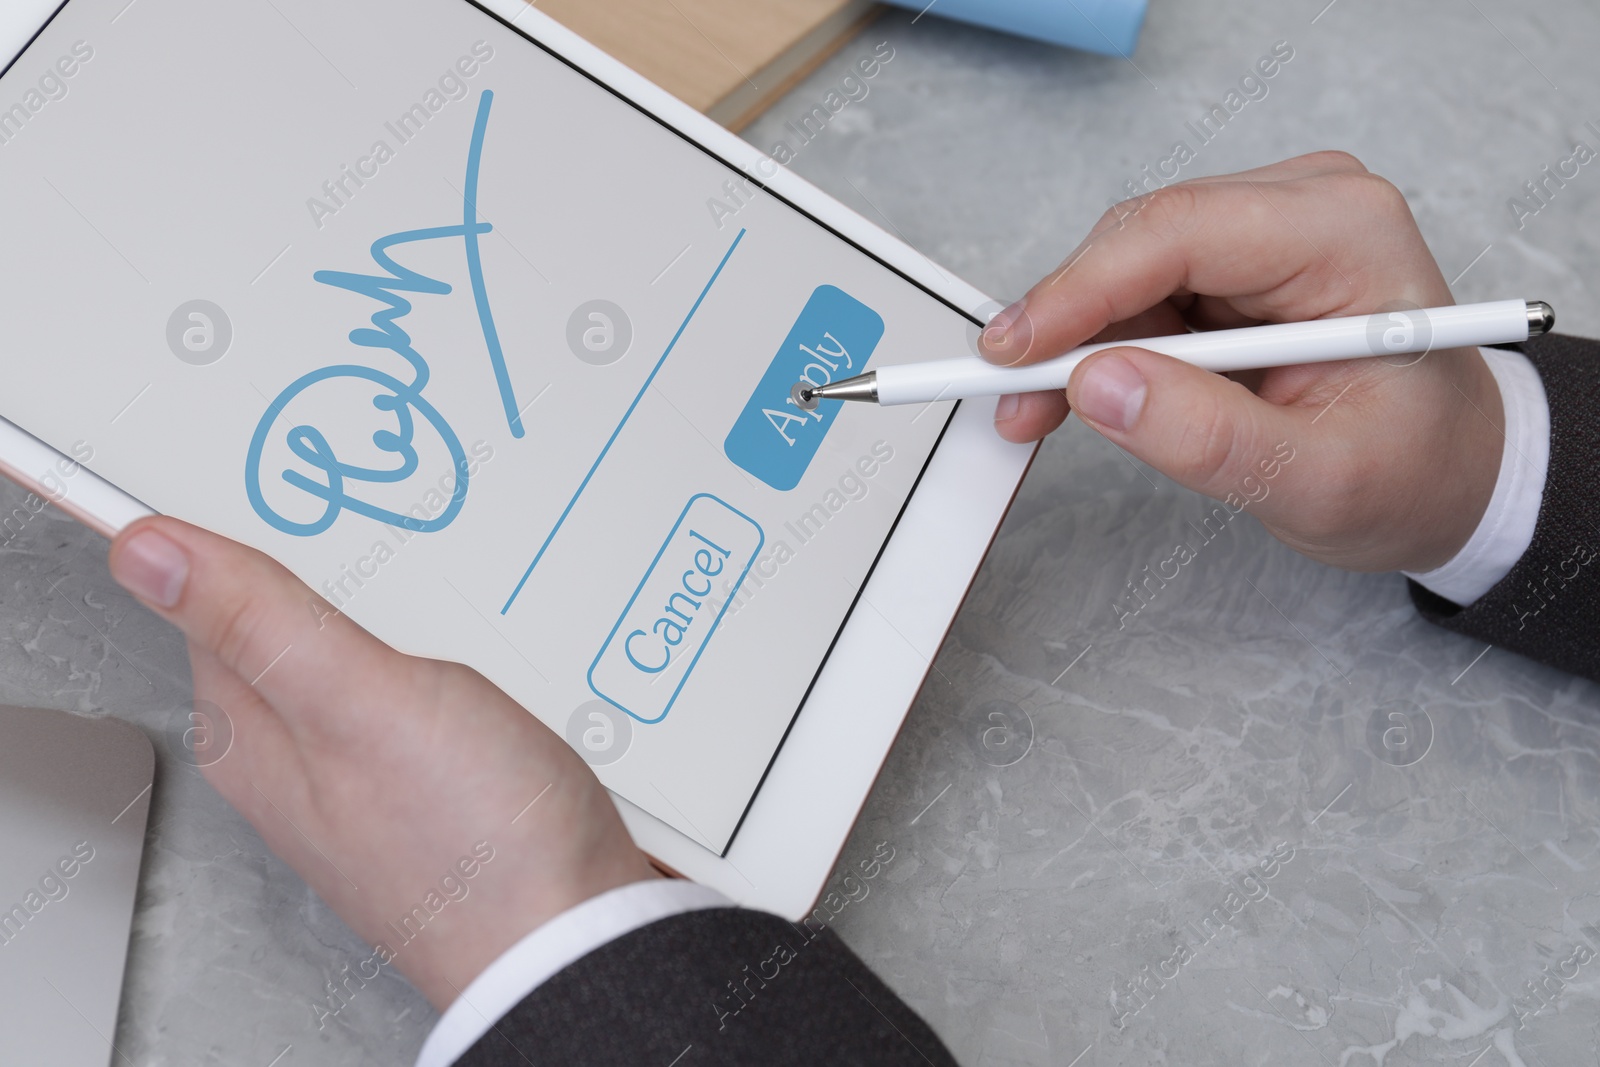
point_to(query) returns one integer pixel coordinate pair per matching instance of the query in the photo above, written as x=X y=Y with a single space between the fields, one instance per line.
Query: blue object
x=1110 y=27
x=833 y=339
x=677 y=608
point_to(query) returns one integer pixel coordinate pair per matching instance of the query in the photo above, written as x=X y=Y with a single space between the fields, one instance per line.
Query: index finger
x=1279 y=250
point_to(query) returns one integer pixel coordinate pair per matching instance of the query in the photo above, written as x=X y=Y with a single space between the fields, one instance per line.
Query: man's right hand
x=1394 y=458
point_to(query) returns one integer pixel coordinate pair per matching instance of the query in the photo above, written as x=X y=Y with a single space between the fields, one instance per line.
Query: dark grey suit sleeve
x=720 y=987
x=1548 y=607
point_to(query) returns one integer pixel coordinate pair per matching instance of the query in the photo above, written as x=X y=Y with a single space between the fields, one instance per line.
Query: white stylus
x=1391 y=333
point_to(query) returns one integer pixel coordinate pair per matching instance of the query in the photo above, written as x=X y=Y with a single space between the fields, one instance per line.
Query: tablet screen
x=495 y=360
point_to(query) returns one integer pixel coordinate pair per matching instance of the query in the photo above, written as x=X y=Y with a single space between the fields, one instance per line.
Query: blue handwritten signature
x=401 y=400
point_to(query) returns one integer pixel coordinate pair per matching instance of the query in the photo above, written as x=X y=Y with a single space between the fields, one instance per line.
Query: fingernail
x=998 y=332
x=1006 y=409
x=153 y=568
x=1112 y=393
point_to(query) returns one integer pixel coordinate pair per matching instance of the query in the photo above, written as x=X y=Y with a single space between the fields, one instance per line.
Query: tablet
x=492 y=343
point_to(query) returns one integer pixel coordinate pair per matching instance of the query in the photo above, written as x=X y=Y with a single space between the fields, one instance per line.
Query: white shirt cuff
x=1506 y=530
x=562 y=941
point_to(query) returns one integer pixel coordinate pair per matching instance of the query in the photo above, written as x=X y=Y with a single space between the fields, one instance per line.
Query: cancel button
x=654 y=647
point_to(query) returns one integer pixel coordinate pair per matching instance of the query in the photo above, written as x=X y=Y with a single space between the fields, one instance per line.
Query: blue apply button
x=664 y=630
x=833 y=339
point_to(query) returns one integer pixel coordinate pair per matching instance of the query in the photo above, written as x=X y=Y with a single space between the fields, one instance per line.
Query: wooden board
x=729 y=58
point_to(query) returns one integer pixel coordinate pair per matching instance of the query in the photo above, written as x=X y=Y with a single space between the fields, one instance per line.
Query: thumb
x=1202 y=430
x=251 y=613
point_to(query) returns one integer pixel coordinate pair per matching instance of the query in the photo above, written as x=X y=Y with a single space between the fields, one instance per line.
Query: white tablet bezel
x=795 y=828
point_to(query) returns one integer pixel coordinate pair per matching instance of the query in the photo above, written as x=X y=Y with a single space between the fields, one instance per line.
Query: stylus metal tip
x=863 y=388
x=1541 y=318
x=804 y=396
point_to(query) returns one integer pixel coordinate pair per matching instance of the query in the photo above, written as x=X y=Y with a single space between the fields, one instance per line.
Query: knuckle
x=1381 y=196
x=1209 y=445
x=1338 y=160
x=235 y=632
x=1171 y=210
x=1114 y=214
x=1176 y=210
x=1118 y=215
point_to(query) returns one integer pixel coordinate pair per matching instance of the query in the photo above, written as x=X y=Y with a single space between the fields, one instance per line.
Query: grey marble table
x=1273 y=818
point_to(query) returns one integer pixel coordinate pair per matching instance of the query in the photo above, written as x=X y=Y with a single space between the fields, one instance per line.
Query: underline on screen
x=618 y=431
